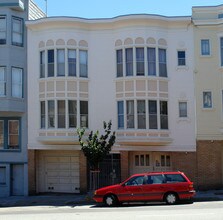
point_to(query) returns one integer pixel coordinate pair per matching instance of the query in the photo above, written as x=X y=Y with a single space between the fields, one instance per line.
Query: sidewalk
x=84 y=199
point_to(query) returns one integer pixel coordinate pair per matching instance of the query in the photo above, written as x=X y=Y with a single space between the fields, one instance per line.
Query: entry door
x=17 y=180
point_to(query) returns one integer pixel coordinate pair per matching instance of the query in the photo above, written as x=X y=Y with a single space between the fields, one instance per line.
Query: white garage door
x=62 y=174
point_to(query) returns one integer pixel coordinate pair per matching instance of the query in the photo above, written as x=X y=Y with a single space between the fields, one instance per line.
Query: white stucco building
x=136 y=70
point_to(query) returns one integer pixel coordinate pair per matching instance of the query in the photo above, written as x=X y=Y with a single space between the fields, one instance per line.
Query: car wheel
x=171 y=198
x=110 y=200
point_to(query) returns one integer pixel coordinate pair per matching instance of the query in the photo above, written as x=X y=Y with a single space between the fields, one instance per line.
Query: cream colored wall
x=208 y=77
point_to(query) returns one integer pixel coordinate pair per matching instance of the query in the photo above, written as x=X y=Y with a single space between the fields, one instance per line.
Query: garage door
x=62 y=174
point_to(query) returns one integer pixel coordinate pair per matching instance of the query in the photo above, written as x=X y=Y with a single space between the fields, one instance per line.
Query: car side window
x=155 y=179
x=174 y=178
x=135 y=181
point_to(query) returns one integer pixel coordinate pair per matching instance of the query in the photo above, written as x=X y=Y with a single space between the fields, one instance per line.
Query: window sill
x=182 y=68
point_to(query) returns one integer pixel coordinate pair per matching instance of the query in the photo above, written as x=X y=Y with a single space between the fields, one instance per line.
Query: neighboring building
x=136 y=70
x=208 y=44
x=13 y=95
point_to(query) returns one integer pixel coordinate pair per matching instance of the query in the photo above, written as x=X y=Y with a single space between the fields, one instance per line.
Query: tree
x=95 y=148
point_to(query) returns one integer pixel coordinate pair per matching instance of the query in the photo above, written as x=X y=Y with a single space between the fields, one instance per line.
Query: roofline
x=113 y=19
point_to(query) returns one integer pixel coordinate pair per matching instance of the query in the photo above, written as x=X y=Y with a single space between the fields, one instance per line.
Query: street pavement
x=84 y=199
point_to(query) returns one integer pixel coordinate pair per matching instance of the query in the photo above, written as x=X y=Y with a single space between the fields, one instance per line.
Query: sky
x=113 y=8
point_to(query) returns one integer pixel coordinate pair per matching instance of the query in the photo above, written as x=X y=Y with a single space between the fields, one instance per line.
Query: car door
x=132 y=190
x=154 y=188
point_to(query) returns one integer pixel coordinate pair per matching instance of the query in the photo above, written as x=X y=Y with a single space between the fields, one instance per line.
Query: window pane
x=205 y=47
x=130 y=114
x=84 y=114
x=71 y=62
x=141 y=160
x=120 y=114
x=2 y=175
x=136 y=160
x=162 y=63
x=1 y=134
x=72 y=113
x=207 y=100
x=147 y=160
x=51 y=114
x=42 y=64
x=2 y=81
x=151 y=56
x=140 y=69
x=181 y=58
x=119 y=60
x=42 y=114
x=83 y=63
x=221 y=42
x=17 y=32
x=61 y=62
x=129 y=61
x=61 y=114
x=182 y=109
x=13 y=134
x=163 y=115
x=2 y=30
x=153 y=114
x=50 y=63
x=141 y=111
x=17 y=82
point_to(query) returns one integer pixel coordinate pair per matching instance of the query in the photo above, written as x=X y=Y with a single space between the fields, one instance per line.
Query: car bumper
x=98 y=198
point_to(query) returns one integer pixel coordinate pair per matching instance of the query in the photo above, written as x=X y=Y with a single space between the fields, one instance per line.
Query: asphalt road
x=197 y=210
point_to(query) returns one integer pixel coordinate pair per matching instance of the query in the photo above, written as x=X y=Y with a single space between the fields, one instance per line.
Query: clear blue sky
x=112 y=8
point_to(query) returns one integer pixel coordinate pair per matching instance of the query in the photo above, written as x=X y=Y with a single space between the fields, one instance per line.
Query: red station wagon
x=169 y=187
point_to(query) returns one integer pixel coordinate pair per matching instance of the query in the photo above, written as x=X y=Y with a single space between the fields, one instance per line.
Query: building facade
x=13 y=95
x=136 y=70
x=208 y=44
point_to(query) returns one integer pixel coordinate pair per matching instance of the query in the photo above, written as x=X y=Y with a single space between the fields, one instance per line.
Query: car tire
x=171 y=198
x=111 y=200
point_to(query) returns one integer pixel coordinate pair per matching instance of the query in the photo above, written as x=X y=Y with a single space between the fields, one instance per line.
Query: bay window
x=50 y=63
x=151 y=56
x=129 y=61
x=60 y=62
x=9 y=133
x=119 y=63
x=72 y=62
x=72 y=106
x=83 y=64
x=140 y=69
x=17 y=82
x=17 y=31
x=2 y=30
x=162 y=63
x=130 y=114
x=61 y=119
x=2 y=81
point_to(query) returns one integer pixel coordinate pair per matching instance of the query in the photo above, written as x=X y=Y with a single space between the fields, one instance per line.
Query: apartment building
x=13 y=95
x=136 y=70
x=208 y=44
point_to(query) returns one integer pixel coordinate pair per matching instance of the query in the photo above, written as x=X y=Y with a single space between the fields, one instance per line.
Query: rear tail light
x=191 y=186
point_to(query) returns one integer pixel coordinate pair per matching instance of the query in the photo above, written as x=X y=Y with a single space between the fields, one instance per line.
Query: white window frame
x=180 y=112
